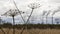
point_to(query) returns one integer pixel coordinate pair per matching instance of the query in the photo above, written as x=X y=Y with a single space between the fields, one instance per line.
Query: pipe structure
x=54 y=14
x=0 y=20
x=44 y=12
x=47 y=15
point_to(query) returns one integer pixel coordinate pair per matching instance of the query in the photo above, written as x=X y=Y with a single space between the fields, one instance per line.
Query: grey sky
x=46 y=5
x=22 y=4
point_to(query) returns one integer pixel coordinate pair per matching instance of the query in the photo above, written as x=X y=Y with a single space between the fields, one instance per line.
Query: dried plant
x=19 y=11
x=12 y=13
x=32 y=6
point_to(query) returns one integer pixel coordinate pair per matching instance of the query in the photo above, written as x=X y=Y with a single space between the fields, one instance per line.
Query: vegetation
x=30 y=26
x=8 y=28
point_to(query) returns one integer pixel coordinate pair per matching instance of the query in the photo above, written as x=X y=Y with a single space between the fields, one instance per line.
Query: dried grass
x=31 y=31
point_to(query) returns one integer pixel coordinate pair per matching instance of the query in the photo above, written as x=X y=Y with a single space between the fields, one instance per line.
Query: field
x=31 y=31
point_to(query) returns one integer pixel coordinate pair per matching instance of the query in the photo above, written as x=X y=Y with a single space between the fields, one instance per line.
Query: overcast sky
x=46 y=5
x=5 y=5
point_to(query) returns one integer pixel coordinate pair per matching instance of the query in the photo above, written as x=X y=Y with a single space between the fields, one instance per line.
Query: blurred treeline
x=30 y=26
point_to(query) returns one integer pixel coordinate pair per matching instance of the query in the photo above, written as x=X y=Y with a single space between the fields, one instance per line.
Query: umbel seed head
x=34 y=5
